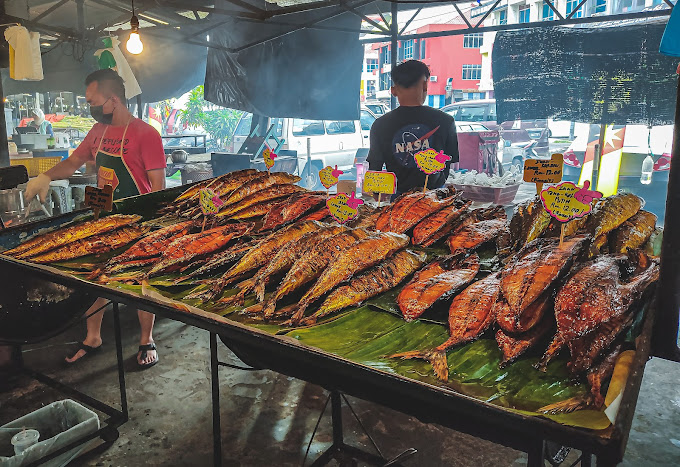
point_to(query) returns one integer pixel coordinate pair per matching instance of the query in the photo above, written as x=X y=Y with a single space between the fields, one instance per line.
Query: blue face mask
x=97 y=112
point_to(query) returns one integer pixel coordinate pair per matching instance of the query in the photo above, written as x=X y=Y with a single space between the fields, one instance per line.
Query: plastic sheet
x=59 y=424
x=306 y=74
x=611 y=75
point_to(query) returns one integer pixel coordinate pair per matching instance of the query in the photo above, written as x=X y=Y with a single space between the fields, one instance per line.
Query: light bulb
x=134 y=44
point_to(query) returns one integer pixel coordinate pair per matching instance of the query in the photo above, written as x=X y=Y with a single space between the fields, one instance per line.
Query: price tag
x=99 y=199
x=329 y=176
x=567 y=201
x=343 y=208
x=380 y=182
x=540 y=171
x=430 y=161
x=268 y=155
x=210 y=202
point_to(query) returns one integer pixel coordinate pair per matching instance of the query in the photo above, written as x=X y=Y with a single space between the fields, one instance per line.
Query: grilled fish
x=530 y=274
x=597 y=294
x=633 y=233
x=364 y=254
x=401 y=205
x=474 y=235
x=257 y=210
x=105 y=275
x=220 y=181
x=585 y=350
x=381 y=278
x=270 y=193
x=528 y=222
x=437 y=281
x=469 y=316
x=221 y=259
x=101 y=243
x=153 y=244
x=598 y=374
x=611 y=212
x=183 y=250
x=514 y=345
x=283 y=260
x=428 y=228
x=319 y=215
x=514 y=323
x=310 y=266
x=292 y=209
x=407 y=215
x=367 y=217
x=258 y=183
x=66 y=235
x=257 y=257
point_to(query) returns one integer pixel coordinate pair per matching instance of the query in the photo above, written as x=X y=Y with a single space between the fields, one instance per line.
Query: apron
x=111 y=169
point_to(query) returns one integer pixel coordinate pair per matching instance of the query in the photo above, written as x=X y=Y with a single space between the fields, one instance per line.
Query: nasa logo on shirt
x=409 y=140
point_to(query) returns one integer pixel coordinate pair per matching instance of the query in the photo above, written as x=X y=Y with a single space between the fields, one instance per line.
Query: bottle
x=647 y=169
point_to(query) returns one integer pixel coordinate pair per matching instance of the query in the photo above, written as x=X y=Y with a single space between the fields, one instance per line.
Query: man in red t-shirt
x=129 y=155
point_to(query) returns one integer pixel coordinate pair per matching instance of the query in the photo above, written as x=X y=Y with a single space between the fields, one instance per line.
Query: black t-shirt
x=399 y=134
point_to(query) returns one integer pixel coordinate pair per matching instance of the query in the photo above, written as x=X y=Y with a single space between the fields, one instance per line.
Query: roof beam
x=536 y=24
x=218 y=11
x=455 y=5
x=486 y=15
x=408 y=23
x=51 y=9
x=552 y=7
x=364 y=17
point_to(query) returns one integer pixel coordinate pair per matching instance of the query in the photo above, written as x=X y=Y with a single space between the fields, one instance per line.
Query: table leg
x=215 y=378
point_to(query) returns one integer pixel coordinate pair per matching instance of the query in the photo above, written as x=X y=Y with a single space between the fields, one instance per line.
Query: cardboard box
x=347 y=186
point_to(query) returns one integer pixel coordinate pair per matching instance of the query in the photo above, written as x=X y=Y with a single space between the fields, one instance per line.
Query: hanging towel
x=112 y=57
x=25 y=59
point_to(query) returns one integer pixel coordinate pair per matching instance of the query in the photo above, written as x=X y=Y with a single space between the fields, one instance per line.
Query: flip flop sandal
x=89 y=351
x=144 y=349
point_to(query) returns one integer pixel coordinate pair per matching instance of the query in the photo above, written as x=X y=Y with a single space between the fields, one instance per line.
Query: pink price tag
x=344 y=208
x=210 y=202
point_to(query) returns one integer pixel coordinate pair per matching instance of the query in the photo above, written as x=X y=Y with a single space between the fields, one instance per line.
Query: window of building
x=472 y=71
x=599 y=6
x=571 y=4
x=386 y=55
x=422 y=48
x=408 y=49
x=503 y=17
x=371 y=64
x=473 y=41
x=385 y=81
x=524 y=14
x=471 y=96
x=370 y=88
x=548 y=13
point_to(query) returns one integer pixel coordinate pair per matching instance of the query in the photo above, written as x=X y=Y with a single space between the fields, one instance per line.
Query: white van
x=332 y=142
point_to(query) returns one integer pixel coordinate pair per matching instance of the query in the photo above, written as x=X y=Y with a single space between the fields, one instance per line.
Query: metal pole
x=665 y=336
x=597 y=157
x=336 y=418
x=140 y=112
x=4 y=150
x=120 y=361
x=394 y=31
x=215 y=379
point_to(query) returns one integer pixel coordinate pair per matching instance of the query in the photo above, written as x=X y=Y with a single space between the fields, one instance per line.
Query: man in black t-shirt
x=410 y=128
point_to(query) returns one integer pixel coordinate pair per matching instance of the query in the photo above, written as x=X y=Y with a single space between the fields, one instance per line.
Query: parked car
x=332 y=142
x=514 y=131
x=377 y=107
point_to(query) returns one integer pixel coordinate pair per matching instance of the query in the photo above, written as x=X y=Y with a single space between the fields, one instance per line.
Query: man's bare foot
x=93 y=343
x=147 y=355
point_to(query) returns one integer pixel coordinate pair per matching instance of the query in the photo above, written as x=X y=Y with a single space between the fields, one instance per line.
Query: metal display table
x=428 y=403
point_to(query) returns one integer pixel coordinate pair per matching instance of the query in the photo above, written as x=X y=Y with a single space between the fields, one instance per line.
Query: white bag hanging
x=27 y=63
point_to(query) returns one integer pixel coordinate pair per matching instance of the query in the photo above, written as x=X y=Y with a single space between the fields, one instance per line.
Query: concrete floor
x=267 y=418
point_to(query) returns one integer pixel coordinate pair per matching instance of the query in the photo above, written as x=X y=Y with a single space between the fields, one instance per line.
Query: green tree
x=219 y=123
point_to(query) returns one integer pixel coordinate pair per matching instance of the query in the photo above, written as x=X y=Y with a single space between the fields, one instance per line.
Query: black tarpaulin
x=306 y=74
x=611 y=75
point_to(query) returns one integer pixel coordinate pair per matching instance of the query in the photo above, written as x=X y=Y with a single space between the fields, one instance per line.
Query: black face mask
x=97 y=112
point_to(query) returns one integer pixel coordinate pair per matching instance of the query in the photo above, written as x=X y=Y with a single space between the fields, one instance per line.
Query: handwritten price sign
x=380 y=182
x=430 y=161
x=268 y=155
x=567 y=201
x=99 y=199
x=344 y=208
x=210 y=202
x=544 y=171
x=329 y=176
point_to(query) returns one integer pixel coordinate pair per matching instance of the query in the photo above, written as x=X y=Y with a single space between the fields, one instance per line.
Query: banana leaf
x=368 y=337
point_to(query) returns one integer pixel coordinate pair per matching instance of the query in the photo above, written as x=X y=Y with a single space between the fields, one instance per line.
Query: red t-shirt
x=142 y=149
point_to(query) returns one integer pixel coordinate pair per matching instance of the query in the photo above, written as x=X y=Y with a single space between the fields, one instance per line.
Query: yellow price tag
x=430 y=161
x=268 y=155
x=329 y=176
x=567 y=201
x=343 y=208
x=210 y=202
x=380 y=182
